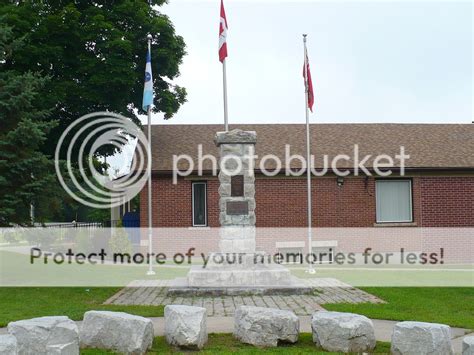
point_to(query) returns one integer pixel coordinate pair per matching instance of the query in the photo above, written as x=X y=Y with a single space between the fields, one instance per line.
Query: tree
x=94 y=53
x=26 y=174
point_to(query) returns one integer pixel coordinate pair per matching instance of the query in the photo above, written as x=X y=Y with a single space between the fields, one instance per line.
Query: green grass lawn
x=226 y=344
x=21 y=303
x=400 y=276
x=453 y=306
x=17 y=270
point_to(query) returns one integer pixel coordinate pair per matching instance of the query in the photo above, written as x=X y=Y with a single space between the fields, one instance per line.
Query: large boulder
x=344 y=332
x=265 y=327
x=46 y=335
x=8 y=345
x=468 y=345
x=419 y=338
x=122 y=332
x=186 y=326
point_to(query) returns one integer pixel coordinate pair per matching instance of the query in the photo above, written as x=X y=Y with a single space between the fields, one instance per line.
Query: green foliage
x=119 y=242
x=26 y=174
x=95 y=55
x=59 y=61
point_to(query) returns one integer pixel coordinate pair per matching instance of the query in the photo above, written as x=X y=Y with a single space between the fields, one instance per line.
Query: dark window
x=199 y=204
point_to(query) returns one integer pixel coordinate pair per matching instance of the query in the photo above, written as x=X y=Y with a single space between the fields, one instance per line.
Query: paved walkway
x=153 y=293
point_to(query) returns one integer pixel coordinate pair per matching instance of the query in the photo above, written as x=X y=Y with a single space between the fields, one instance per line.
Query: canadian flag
x=222 y=34
x=308 y=83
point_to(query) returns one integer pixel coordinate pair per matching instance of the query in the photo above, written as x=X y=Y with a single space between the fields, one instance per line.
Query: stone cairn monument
x=238 y=266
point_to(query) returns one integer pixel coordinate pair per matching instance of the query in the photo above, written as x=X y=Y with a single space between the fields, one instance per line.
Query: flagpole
x=224 y=82
x=308 y=157
x=150 y=230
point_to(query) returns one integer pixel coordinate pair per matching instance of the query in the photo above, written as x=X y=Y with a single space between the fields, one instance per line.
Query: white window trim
x=205 y=203
x=331 y=250
x=410 y=200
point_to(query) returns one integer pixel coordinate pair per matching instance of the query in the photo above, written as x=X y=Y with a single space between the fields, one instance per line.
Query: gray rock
x=419 y=338
x=224 y=190
x=249 y=190
x=8 y=345
x=38 y=335
x=265 y=327
x=468 y=345
x=345 y=332
x=235 y=136
x=117 y=331
x=186 y=326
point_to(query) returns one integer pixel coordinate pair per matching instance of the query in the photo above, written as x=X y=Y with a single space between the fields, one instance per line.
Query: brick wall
x=172 y=204
x=447 y=201
x=281 y=202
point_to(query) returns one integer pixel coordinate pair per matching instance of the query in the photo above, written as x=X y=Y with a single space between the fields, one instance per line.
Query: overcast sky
x=371 y=61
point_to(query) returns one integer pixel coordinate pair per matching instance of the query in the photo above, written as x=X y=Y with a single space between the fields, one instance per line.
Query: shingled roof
x=430 y=146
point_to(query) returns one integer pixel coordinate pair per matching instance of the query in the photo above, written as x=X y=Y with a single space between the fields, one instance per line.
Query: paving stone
x=269 y=302
x=218 y=307
x=280 y=301
x=198 y=301
x=229 y=306
x=187 y=301
x=168 y=300
x=178 y=300
x=153 y=292
x=238 y=301
x=158 y=300
x=305 y=306
x=209 y=305
x=248 y=301
x=258 y=300
x=295 y=306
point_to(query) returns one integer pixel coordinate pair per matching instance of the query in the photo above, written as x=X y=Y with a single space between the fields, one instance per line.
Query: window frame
x=411 y=220
x=205 y=203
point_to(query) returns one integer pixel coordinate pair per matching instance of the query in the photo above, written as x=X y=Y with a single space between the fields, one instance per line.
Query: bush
x=119 y=242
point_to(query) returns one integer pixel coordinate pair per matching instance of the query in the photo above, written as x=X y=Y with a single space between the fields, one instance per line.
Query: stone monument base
x=181 y=287
x=238 y=273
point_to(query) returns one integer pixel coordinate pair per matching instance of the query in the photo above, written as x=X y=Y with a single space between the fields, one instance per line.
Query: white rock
x=8 y=345
x=62 y=349
x=117 y=331
x=186 y=326
x=345 y=332
x=468 y=345
x=265 y=326
x=419 y=338
x=36 y=336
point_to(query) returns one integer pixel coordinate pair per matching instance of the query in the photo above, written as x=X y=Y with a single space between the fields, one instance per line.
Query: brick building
x=436 y=189
x=438 y=182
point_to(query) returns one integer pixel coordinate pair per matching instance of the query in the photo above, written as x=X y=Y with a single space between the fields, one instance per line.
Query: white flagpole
x=224 y=82
x=150 y=228
x=308 y=156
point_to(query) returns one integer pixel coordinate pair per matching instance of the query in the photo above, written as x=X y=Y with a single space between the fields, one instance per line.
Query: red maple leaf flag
x=308 y=83
x=222 y=34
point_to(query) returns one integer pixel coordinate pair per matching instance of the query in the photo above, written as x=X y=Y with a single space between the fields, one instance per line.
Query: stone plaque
x=234 y=208
x=237 y=186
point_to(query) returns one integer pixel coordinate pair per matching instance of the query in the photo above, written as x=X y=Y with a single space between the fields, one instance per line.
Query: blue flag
x=148 y=89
